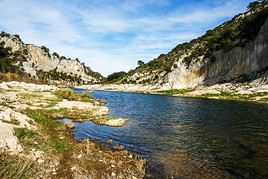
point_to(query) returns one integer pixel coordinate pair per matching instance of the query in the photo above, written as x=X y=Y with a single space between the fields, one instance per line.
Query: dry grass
x=18 y=77
x=12 y=166
x=100 y=161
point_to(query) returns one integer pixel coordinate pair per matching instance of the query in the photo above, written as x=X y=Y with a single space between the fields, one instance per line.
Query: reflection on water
x=191 y=138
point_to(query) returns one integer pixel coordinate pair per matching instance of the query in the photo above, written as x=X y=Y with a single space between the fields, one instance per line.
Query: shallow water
x=188 y=137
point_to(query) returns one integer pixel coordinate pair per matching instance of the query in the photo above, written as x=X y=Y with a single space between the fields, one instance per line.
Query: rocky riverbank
x=254 y=91
x=43 y=147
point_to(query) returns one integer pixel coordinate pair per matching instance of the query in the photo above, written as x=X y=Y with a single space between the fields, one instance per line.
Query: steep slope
x=39 y=63
x=235 y=51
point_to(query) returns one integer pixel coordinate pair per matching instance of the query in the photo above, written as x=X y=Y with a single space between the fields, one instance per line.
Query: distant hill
x=39 y=64
x=237 y=50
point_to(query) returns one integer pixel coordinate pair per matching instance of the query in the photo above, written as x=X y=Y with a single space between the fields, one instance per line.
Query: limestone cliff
x=38 y=62
x=235 y=51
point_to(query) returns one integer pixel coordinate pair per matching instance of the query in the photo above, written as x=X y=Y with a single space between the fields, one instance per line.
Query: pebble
x=73 y=168
x=40 y=161
x=36 y=143
x=33 y=150
x=113 y=174
x=113 y=166
x=110 y=141
x=79 y=156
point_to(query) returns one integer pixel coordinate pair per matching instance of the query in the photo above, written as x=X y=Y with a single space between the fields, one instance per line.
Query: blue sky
x=112 y=35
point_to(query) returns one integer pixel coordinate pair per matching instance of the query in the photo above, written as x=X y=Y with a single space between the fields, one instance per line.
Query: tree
x=45 y=49
x=140 y=63
x=254 y=4
x=116 y=76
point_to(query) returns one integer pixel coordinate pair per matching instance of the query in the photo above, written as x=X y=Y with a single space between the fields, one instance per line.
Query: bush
x=66 y=94
x=116 y=76
x=72 y=96
x=45 y=49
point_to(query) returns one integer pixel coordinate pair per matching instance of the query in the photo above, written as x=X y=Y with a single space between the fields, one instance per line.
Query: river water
x=187 y=137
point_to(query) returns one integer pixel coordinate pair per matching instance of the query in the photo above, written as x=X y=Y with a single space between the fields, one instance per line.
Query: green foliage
x=55 y=75
x=254 y=5
x=17 y=36
x=176 y=91
x=89 y=72
x=45 y=49
x=66 y=94
x=39 y=117
x=7 y=61
x=22 y=133
x=49 y=127
x=116 y=76
x=140 y=63
x=72 y=96
x=55 y=54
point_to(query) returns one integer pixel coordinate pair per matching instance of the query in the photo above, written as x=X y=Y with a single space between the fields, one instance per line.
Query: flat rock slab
x=119 y=122
x=26 y=86
x=8 y=141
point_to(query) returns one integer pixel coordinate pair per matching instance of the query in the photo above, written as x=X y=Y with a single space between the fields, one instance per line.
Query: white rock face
x=40 y=59
x=182 y=77
x=228 y=65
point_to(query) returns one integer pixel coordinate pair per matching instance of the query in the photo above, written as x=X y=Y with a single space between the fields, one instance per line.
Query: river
x=187 y=137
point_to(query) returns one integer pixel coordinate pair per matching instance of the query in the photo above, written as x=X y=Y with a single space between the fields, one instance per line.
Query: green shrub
x=116 y=76
x=73 y=96
x=66 y=94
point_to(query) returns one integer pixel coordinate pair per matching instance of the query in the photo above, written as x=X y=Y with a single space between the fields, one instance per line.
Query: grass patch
x=52 y=103
x=242 y=97
x=30 y=139
x=50 y=129
x=176 y=91
x=30 y=95
x=222 y=94
x=39 y=117
x=59 y=145
x=66 y=113
x=73 y=96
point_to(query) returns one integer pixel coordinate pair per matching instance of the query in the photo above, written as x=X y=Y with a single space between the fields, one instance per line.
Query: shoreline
x=226 y=91
x=32 y=134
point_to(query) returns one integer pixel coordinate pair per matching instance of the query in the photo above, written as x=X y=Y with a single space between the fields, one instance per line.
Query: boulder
x=119 y=122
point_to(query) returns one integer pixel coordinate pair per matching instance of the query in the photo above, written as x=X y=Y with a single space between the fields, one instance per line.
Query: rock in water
x=116 y=122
